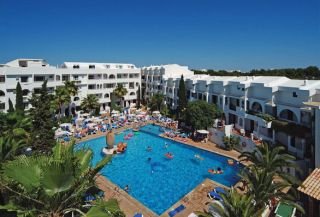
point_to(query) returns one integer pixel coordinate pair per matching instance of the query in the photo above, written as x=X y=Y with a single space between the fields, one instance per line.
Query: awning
x=203 y=131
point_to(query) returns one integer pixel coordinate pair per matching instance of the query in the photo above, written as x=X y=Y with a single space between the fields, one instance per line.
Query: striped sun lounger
x=176 y=210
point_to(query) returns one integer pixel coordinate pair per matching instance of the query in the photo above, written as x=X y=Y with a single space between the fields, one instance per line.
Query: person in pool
x=165 y=145
x=149 y=148
x=219 y=170
x=149 y=159
x=126 y=189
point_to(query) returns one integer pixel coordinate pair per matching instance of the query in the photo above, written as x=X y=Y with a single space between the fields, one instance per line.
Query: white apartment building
x=98 y=79
x=163 y=79
x=244 y=100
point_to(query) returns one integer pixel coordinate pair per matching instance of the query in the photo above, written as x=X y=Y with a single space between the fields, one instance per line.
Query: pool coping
x=148 y=212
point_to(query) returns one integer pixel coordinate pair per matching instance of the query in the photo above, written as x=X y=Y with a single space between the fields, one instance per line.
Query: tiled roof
x=311 y=186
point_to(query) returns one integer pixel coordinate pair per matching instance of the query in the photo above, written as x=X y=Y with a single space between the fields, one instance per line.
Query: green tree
x=19 y=99
x=16 y=128
x=231 y=142
x=42 y=133
x=138 y=97
x=61 y=97
x=120 y=91
x=234 y=204
x=272 y=160
x=11 y=108
x=156 y=102
x=71 y=87
x=114 y=105
x=263 y=187
x=165 y=110
x=182 y=101
x=90 y=103
x=52 y=185
x=200 y=114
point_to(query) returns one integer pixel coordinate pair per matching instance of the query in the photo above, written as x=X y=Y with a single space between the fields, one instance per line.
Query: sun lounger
x=214 y=195
x=219 y=190
x=138 y=215
x=176 y=210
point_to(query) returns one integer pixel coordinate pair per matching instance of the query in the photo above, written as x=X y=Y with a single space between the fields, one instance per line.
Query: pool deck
x=127 y=203
x=195 y=200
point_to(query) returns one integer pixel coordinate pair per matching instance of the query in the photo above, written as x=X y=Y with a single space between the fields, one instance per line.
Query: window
x=112 y=77
x=76 y=66
x=39 y=78
x=92 y=66
x=108 y=66
x=90 y=77
x=57 y=77
x=91 y=87
x=105 y=76
x=106 y=95
x=24 y=79
x=132 y=94
x=2 y=93
x=294 y=94
x=2 y=79
x=25 y=105
x=2 y=106
x=65 y=78
x=75 y=77
x=131 y=85
x=76 y=98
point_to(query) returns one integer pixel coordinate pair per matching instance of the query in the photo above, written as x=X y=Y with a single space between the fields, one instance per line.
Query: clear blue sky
x=219 y=34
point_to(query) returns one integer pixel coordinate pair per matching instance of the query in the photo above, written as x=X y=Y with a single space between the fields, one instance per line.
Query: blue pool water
x=160 y=183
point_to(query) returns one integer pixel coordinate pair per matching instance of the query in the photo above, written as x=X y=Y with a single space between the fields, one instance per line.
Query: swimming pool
x=161 y=182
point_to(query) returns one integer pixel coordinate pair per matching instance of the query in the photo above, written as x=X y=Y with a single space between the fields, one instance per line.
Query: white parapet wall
x=216 y=136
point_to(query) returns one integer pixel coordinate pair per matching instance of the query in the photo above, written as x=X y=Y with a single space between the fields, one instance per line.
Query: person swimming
x=166 y=145
x=197 y=156
x=149 y=148
x=149 y=159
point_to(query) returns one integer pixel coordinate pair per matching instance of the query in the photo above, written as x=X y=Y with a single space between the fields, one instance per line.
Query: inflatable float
x=121 y=147
x=169 y=156
x=230 y=162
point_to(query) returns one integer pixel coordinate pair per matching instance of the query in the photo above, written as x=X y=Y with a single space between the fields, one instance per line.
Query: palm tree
x=52 y=185
x=61 y=98
x=234 y=204
x=16 y=128
x=90 y=103
x=71 y=87
x=120 y=91
x=156 y=102
x=264 y=188
x=271 y=160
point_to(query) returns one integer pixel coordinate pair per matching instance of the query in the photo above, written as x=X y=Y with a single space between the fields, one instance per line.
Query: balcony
x=290 y=128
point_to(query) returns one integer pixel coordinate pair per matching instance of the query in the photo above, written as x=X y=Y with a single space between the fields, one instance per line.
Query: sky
x=215 y=34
